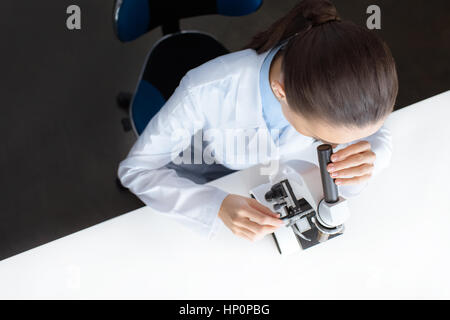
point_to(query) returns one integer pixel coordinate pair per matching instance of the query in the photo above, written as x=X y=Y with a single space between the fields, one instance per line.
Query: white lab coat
x=221 y=96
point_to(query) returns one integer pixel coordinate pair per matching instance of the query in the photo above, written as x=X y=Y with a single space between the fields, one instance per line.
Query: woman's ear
x=278 y=90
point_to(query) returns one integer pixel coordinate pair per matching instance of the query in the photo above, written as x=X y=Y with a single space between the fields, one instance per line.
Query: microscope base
x=288 y=242
x=286 y=239
x=313 y=234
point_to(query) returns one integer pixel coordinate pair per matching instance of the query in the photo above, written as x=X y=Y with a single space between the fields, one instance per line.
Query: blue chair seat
x=176 y=53
x=166 y=65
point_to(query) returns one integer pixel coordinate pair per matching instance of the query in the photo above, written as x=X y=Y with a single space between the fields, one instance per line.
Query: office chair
x=172 y=56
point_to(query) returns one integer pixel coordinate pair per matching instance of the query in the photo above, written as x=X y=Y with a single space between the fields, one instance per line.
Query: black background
x=61 y=138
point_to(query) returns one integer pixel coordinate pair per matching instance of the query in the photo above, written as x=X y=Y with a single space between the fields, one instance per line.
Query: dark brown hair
x=333 y=70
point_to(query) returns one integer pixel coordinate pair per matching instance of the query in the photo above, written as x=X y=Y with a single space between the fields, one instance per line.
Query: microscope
x=307 y=199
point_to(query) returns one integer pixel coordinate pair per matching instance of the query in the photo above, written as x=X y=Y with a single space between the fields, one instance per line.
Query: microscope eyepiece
x=330 y=191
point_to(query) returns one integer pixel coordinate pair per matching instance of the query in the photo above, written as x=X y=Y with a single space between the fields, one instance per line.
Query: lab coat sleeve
x=143 y=172
x=381 y=144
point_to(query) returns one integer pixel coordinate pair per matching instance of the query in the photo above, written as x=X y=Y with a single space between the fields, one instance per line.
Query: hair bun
x=321 y=21
x=319 y=11
x=305 y=15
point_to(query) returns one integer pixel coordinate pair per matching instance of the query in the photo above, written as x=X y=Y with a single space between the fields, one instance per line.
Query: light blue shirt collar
x=271 y=107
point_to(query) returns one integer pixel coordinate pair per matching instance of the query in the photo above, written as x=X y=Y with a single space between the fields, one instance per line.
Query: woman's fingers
x=352 y=161
x=262 y=218
x=354 y=180
x=361 y=170
x=255 y=227
x=246 y=219
x=350 y=150
x=246 y=233
x=258 y=206
x=257 y=220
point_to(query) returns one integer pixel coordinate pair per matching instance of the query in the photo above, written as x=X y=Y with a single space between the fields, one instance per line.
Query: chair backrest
x=133 y=18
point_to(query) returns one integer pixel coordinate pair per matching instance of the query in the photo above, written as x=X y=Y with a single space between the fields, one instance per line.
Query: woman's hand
x=247 y=218
x=353 y=164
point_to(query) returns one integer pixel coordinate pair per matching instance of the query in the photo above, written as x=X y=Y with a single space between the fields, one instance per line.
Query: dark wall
x=59 y=124
x=60 y=127
x=418 y=33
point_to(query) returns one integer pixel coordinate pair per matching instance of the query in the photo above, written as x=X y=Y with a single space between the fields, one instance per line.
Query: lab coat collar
x=249 y=104
x=249 y=107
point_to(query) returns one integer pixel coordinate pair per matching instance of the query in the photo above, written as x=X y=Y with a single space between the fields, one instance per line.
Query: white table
x=396 y=244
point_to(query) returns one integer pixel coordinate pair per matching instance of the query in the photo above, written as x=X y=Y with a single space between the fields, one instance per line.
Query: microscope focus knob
x=275 y=193
x=278 y=206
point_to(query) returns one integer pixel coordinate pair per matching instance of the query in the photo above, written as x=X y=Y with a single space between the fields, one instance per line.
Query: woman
x=309 y=78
